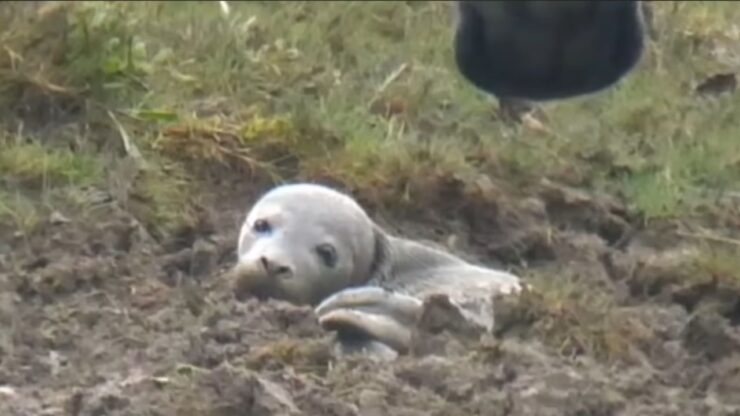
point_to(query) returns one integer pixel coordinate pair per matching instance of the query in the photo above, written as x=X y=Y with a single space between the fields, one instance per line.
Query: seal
x=309 y=244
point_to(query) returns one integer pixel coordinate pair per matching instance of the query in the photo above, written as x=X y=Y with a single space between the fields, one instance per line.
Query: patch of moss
x=306 y=354
x=18 y=212
x=721 y=264
x=37 y=164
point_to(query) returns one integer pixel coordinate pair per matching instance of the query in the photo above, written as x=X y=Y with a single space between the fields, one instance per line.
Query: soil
x=100 y=317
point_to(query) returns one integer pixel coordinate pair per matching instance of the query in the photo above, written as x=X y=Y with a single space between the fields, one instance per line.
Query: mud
x=101 y=318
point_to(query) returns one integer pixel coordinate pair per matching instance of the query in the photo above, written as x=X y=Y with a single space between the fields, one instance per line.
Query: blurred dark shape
x=547 y=49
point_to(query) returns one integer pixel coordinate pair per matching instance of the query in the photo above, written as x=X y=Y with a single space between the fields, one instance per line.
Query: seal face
x=302 y=242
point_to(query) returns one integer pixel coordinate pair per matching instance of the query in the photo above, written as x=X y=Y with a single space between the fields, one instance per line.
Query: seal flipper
x=372 y=300
x=372 y=318
x=406 y=278
x=373 y=314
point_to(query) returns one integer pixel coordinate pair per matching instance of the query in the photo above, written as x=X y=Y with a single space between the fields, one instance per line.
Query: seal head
x=303 y=242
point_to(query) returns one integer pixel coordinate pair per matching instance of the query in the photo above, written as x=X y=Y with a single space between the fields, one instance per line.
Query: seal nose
x=274 y=268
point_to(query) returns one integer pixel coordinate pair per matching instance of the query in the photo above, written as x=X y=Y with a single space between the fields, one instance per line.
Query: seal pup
x=312 y=245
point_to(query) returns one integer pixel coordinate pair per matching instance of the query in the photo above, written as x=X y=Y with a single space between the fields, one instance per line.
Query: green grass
x=720 y=264
x=574 y=321
x=19 y=212
x=306 y=88
x=34 y=163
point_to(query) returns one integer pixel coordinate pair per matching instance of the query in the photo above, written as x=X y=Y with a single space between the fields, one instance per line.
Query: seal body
x=310 y=244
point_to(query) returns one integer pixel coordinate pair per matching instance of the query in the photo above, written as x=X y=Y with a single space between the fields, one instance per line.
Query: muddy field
x=101 y=319
x=116 y=304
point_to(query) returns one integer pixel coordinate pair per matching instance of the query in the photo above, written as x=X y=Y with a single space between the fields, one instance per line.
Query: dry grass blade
x=130 y=147
x=710 y=237
x=24 y=81
x=201 y=143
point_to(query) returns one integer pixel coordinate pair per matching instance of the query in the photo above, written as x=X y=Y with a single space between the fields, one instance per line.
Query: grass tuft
x=571 y=321
x=19 y=212
x=36 y=164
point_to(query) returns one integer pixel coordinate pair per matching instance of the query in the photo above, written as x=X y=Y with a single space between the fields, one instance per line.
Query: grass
x=574 y=321
x=160 y=197
x=34 y=163
x=32 y=175
x=18 y=211
x=364 y=94
x=368 y=94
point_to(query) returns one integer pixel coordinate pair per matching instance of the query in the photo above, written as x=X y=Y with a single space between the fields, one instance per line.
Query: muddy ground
x=101 y=318
x=100 y=314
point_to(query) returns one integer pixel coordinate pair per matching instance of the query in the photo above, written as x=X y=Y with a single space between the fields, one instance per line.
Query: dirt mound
x=101 y=318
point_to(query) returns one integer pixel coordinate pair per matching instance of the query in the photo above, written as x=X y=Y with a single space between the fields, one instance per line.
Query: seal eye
x=328 y=254
x=262 y=227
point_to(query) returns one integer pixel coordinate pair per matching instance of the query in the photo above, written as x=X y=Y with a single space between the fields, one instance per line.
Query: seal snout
x=274 y=268
x=259 y=276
